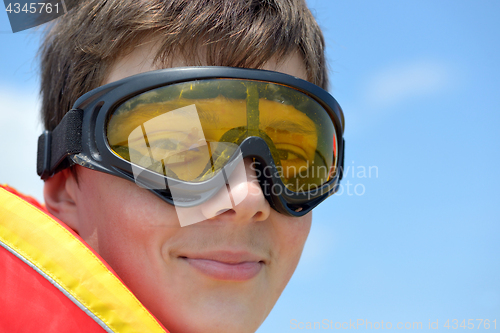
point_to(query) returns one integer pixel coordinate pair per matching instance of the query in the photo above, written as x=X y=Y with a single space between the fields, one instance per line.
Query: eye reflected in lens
x=172 y=144
x=181 y=130
x=302 y=138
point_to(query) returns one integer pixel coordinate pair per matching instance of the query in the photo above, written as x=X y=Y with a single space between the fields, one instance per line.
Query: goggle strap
x=55 y=146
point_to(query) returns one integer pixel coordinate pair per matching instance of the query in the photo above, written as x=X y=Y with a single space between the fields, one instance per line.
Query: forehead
x=142 y=59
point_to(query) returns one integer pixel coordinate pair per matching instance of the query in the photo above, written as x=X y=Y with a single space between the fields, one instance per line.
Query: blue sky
x=418 y=238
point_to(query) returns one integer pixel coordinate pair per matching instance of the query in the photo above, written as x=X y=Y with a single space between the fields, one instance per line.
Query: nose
x=242 y=200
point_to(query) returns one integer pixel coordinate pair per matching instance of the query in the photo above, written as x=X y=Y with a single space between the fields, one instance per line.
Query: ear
x=60 y=193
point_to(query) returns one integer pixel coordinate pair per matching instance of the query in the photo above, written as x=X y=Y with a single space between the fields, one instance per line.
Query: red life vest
x=52 y=281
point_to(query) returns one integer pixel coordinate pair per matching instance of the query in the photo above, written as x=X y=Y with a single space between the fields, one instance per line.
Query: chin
x=219 y=311
x=215 y=324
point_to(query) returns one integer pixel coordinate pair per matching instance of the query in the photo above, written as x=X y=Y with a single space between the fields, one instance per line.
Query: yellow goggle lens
x=188 y=131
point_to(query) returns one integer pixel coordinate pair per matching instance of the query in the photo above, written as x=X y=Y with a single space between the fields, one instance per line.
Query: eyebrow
x=290 y=126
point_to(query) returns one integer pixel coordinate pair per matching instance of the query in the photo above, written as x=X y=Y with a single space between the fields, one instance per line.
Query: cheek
x=291 y=237
x=116 y=215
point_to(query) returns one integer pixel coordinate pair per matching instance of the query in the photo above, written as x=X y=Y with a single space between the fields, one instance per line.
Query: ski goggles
x=183 y=133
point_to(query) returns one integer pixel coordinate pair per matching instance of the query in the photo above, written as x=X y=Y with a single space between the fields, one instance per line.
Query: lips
x=224 y=265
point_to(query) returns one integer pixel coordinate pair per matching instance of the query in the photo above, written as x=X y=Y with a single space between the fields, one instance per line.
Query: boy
x=194 y=185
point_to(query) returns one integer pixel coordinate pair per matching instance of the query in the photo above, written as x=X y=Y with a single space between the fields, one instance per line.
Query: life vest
x=52 y=281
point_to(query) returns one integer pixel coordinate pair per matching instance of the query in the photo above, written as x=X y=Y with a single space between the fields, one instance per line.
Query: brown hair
x=82 y=45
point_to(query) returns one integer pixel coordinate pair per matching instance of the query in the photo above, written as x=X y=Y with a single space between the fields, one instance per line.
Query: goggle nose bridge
x=240 y=135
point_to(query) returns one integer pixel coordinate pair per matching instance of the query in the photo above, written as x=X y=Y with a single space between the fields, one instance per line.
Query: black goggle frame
x=81 y=139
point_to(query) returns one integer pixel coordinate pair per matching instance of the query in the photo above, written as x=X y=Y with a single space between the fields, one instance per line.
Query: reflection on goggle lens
x=189 y=131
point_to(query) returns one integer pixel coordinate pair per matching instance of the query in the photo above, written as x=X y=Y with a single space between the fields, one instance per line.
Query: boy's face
x=220 y=275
